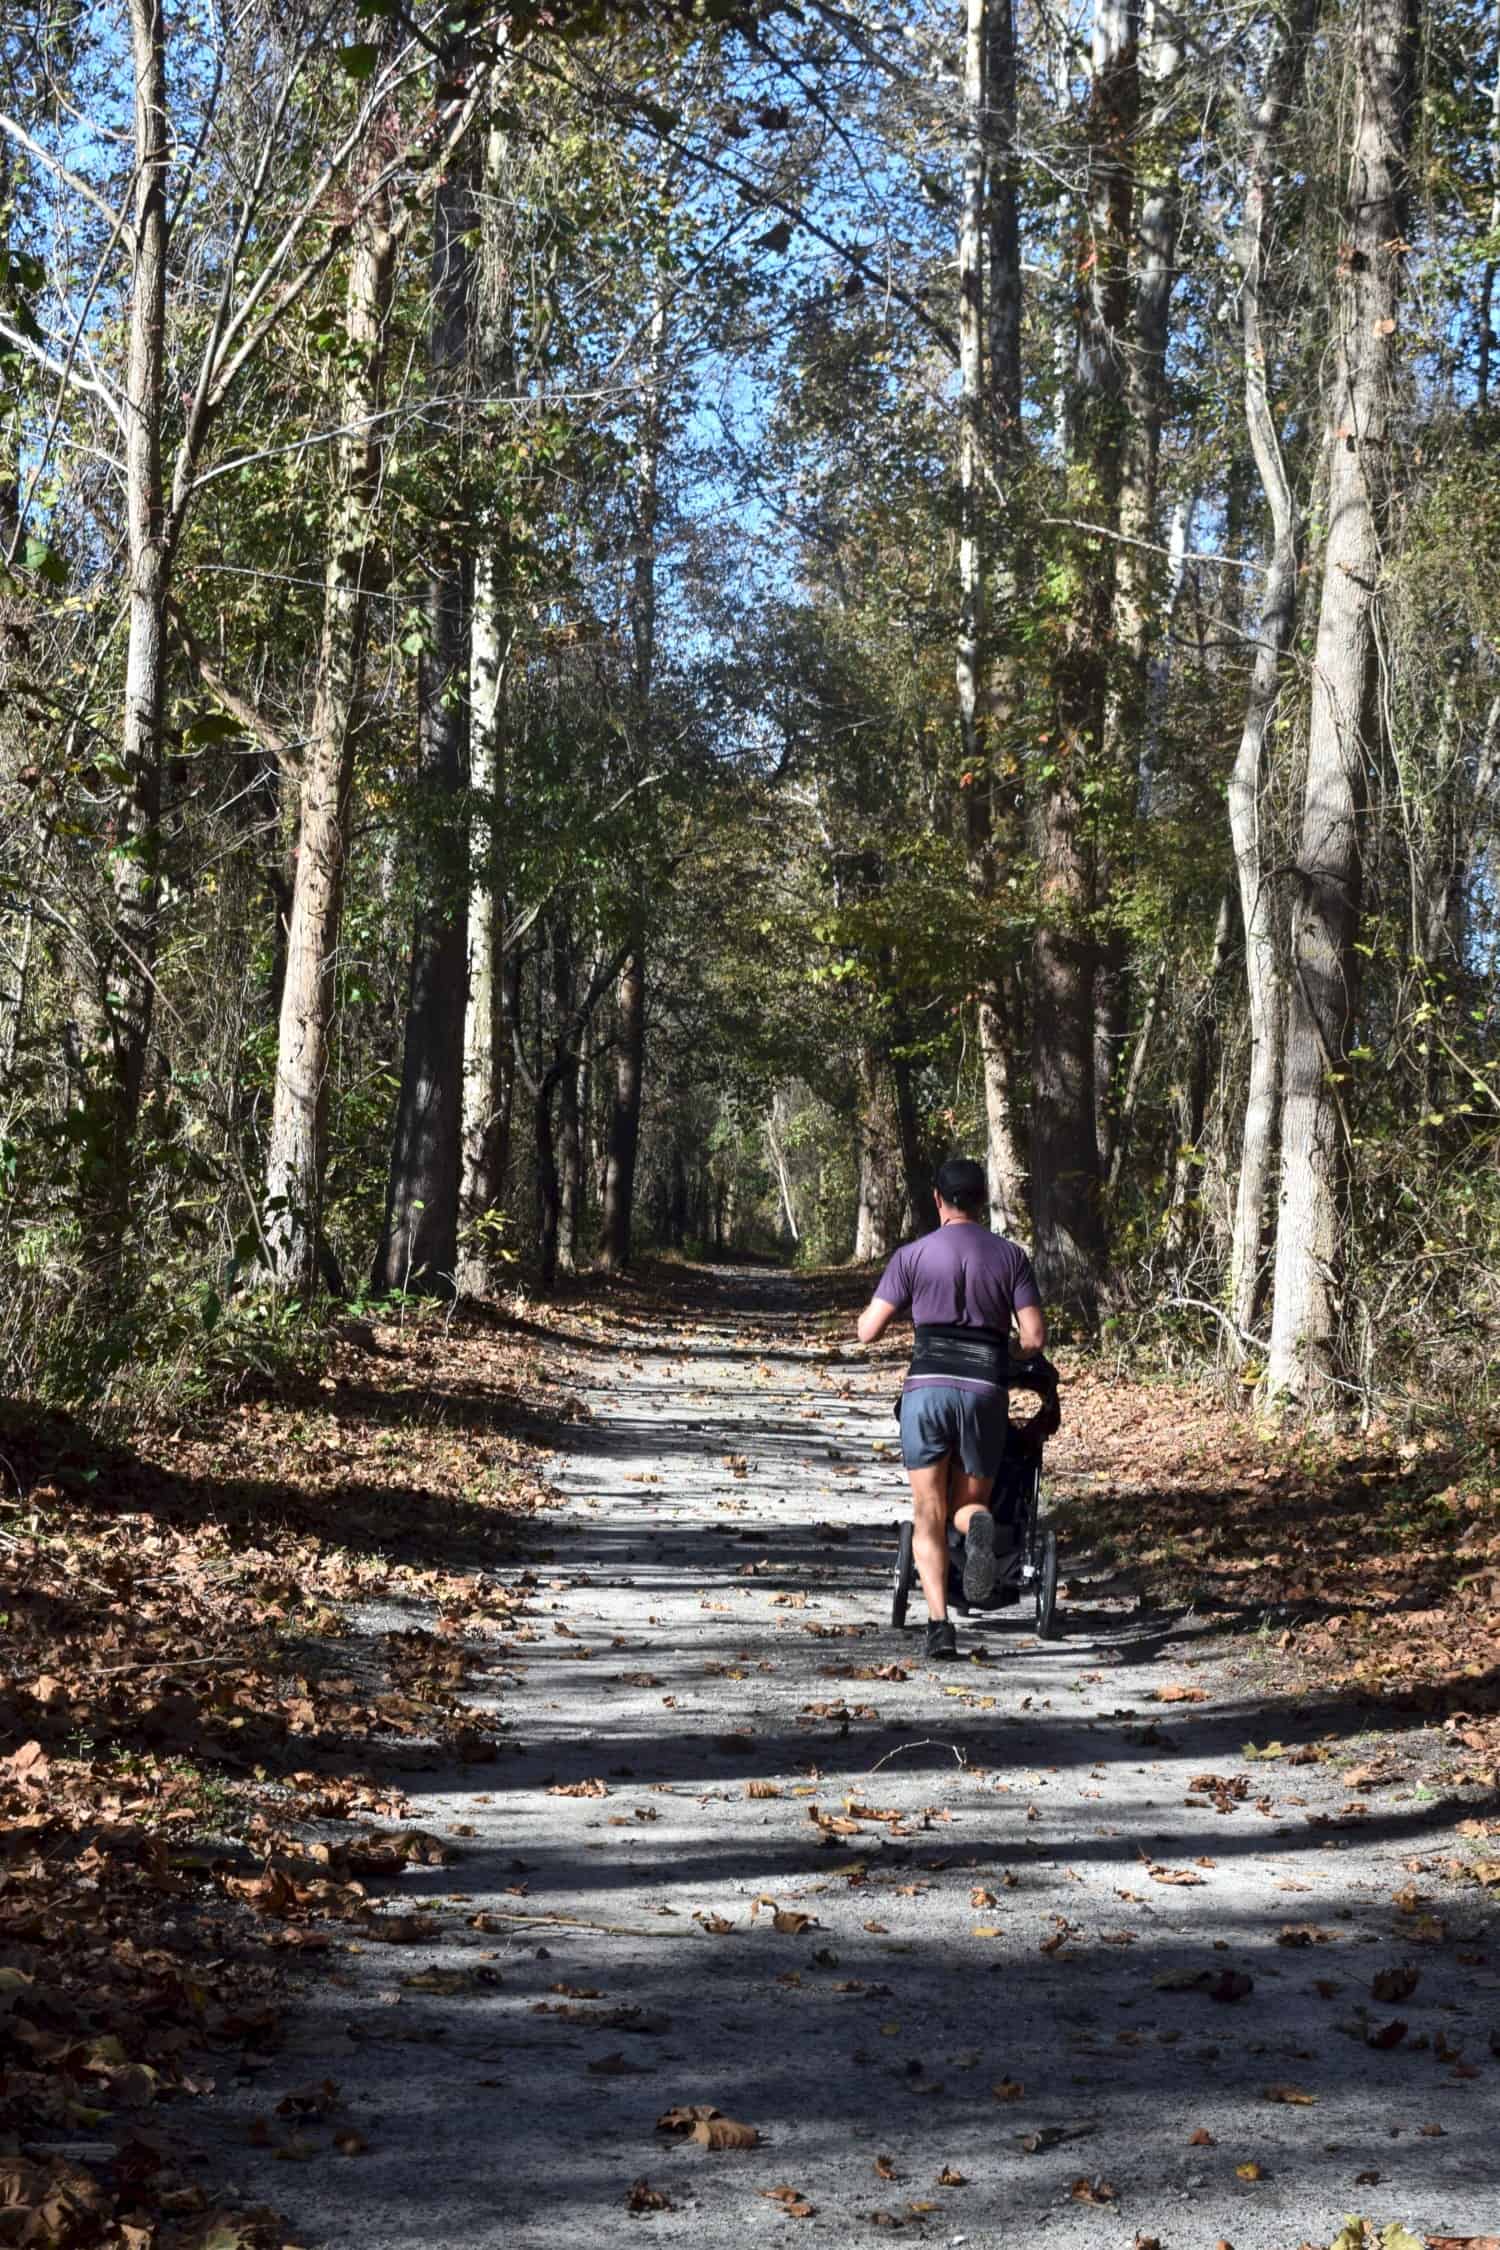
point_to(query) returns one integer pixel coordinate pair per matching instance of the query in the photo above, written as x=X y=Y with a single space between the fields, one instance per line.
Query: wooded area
x=623 y=623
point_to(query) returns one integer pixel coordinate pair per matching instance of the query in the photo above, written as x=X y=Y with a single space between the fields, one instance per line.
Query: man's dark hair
x=961 y=1184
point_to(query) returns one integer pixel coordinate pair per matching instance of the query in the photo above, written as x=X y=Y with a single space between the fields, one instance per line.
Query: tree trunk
x=1065 y=1177
x=625 y=1114
x=624 y=1119
x=915 y=1169
x=1278 y=617
x=481 y=1170
x=127 y=980
x=989 y=332
x=548 y=1181
x=419 y=1243
x=1138 y=577
x=1005 y=1156
x=296 y=1152
x=882 y=1194
x=569 y=1138
x=1135 y=1079
x=1344 y=721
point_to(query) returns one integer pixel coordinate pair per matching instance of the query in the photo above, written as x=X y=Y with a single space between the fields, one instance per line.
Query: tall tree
x=617 y=1214
x=296 y=1152
x=486 y=1076
x=128 y=966
x=989 y=309
x=1346 y=716
x=1065 y=1172
x=1278 y=614
x=419 y=1242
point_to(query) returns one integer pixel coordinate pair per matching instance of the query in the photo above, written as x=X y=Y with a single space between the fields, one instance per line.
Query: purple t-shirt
x=960 y=1275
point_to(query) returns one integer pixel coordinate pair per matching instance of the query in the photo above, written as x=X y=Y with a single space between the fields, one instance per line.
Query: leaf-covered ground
x=481 y=1798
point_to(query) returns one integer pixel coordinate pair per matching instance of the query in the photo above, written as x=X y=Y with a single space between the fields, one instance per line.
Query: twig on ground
x=928 y=1742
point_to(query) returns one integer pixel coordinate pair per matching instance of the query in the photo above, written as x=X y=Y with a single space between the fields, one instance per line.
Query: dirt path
x=1046 y=1989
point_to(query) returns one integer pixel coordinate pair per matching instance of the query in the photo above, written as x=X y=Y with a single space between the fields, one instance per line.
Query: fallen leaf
x=724 y=2132
x=762 y=1789
x=594 y=1788
x=1180 y=1695
x=1085 y=2190
x=644 y=2197
x=949 y=2177
x=1248 y=2172
x=885 y=2168
x=1202 y=2138
x=1008 y=2089
x=1292 y=2097
x=1395 y=1984
x=792 y=2200
x=791 y=1924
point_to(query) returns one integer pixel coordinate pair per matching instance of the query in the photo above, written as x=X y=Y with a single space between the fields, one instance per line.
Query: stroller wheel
x=904 y=1575
x=1046 y=1588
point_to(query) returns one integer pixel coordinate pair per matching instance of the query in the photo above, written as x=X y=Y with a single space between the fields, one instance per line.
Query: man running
x=962 y=1287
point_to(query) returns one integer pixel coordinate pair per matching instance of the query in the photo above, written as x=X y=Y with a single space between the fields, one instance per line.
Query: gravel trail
x=1073 y=1969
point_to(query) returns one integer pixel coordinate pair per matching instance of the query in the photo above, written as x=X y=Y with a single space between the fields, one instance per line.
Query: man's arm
x=1031 y=1327
x=875 y=1320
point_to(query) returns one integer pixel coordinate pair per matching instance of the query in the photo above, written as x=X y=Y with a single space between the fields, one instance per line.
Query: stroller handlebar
x=1033 y=1372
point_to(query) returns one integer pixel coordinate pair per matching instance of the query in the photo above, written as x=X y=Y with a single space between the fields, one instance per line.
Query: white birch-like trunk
x=1308 y=1306
x=296 y=1150
x=1278 y=616
x=480 y=1183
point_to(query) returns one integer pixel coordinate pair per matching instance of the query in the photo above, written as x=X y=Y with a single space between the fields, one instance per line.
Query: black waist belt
x=982 y=1354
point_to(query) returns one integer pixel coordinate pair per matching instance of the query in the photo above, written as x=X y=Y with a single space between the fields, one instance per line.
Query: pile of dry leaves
x=179 y=1693
x=1377 y=1558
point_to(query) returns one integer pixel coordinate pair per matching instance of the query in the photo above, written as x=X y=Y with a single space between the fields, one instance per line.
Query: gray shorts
x=942 y=1418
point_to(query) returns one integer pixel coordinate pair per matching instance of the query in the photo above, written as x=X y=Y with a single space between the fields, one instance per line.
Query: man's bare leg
x=967 y=1496
x=968 y=1505
x=929 y=1507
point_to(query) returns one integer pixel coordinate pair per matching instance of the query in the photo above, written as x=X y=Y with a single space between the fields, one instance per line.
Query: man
x=962 y=1286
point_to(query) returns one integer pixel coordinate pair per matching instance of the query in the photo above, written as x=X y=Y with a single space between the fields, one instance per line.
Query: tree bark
x=128 y=960
x=1344 y=721
x=989 y=334
x=296 y=1152
x=916 y=1171
x=419 y=1242
x=486 y=1078
x=1065 y=1176
x=625 y=1115
x=569 y=1137
x=882 y=1195
x=1138 y=576
x=616 y=1228
x=1278 y=617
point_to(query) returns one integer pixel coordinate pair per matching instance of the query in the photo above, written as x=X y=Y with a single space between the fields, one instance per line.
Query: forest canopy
x=621 y=624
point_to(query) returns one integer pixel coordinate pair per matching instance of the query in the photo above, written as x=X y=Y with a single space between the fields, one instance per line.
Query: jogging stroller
x=1025 y=1549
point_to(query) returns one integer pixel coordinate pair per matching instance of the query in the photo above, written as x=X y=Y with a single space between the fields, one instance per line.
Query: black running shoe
x=979 y=1558
x=942 y=1641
